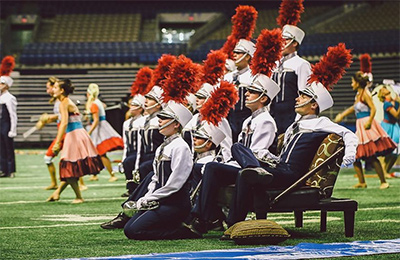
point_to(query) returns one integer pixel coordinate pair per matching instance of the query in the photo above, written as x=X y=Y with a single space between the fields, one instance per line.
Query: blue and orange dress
x=374 y=141
x=79 y=155
x=104 y=136
x=390 y=124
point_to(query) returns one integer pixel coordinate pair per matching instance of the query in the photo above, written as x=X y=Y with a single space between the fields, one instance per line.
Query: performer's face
x=199 y=102
x=289 y=48
x=240 y=61
x=57 y=91
x=307 y=109
x=49 y=89
x=354 y=84
x=199 y=142
x=253 y=95
x=170 y=129
x=135 y=110
x=3 y=87
x=151 y=105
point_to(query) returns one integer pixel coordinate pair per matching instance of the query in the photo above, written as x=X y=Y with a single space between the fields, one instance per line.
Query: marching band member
x=132 y=126
x=239 y=43
x=213 y=70
x=301 y=140
x=258 y=132
x=291 y=72
x=8 y=119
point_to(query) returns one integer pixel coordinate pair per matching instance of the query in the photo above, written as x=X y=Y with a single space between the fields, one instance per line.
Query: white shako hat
x=138 y=100
x=177 y=112
x=6 y=80
x=293 y=32
x=210 y=132
x=156 y=94
x=204 y=91
x=245 y=46
x=264 y=84
x=320 y=94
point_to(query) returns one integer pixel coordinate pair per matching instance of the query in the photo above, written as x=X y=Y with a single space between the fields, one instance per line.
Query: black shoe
x=116 y=223
x=198 y=226
x=126 y=194
x=216 y=225
x=189 y=232
x=256 y=176
x=3 y=175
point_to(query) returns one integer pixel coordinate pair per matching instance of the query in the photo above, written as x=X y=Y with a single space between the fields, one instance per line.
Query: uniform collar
x=259 y=111
x=205 y=154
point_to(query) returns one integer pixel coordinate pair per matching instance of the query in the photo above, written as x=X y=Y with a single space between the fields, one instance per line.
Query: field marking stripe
x=50 y=226
x=41 y=187
x=64 y=201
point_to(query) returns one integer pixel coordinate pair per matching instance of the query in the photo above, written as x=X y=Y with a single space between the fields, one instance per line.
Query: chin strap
x=239 y=60
x=167 y=124
x=255 y=100
x=202 y=146
x=150 y=107
x=303 y=104
x=288 y=44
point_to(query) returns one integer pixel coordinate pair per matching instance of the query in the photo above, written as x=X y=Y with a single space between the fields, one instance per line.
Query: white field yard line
x=67 y=201
x=41 y=187
x=51 y=226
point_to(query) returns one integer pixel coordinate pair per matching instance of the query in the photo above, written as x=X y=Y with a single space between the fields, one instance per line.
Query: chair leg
x=298 y=218
x=323 y=221
x=349 y=223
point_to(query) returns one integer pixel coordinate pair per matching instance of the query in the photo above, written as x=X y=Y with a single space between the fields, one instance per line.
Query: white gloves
x=141 y=203
x=12 y=134
x=348 y=159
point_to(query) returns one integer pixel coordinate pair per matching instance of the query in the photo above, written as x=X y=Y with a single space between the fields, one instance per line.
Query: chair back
x=325 y=178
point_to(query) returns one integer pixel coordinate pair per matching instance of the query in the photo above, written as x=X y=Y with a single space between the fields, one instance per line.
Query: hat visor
x=165 y=115
x=201 y=135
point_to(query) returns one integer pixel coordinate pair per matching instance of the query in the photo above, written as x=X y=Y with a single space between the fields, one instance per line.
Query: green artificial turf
x=31 y=228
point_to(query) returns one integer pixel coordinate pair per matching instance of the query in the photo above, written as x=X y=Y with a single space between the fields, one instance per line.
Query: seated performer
x=130 y=136
x=258 y=133
x=169 y=184
x=132 y=126
x=301 y=141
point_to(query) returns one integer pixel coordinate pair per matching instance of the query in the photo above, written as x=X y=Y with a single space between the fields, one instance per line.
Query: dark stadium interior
x=106 y=42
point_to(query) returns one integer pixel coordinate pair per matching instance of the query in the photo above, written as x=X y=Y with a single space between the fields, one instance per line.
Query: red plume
x=332 y=66
x=7 y=65
x=214 y=67
x=243 y=25
x=221 y=101
x=289 y=12
x=142 y=83
x=268 y=50
x=162 y=70
x=365 y=63
x=182 y=80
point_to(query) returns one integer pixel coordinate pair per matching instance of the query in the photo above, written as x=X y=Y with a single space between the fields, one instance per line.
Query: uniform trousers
x=165 y=222
x=247 y=196
x=216 y=175
x=7 y=154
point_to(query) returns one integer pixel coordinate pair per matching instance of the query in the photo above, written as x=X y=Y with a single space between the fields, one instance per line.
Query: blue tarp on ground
x=300 y=251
